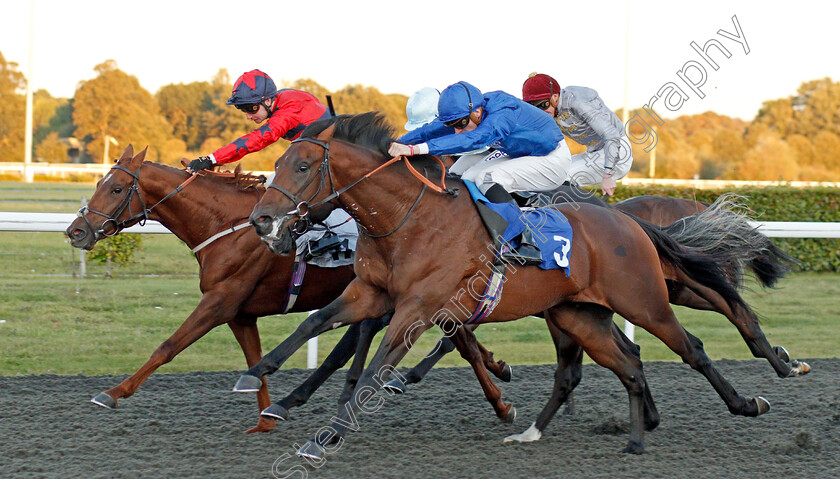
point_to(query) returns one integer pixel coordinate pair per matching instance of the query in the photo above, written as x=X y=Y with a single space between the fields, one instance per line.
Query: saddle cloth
x=550 y=229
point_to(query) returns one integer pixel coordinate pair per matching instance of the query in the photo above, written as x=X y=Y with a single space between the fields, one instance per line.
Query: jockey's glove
x=202 y=163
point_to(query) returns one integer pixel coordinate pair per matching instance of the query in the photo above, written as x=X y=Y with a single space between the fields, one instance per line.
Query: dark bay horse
x=240 y=279
x=416 y=253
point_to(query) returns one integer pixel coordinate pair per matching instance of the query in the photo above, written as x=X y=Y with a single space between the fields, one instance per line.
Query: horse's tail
x=708 y=269
x=724 y=232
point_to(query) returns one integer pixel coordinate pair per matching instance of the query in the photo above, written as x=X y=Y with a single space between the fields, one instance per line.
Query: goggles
x=249 y=107
x=541 y=104
x=460 y=123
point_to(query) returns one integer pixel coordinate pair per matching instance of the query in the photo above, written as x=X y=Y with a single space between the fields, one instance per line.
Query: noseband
x=303 y=208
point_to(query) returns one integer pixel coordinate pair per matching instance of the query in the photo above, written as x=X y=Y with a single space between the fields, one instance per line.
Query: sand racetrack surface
x=190 y=425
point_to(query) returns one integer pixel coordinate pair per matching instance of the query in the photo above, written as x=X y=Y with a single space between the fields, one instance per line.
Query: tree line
x=794 y=138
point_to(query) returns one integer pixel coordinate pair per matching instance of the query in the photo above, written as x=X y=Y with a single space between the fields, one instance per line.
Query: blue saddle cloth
x=550 y=228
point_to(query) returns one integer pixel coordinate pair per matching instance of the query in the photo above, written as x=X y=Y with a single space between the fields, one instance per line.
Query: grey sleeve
x=605 y=124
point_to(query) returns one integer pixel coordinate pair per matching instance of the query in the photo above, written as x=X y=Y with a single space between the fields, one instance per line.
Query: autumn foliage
x=795 y=138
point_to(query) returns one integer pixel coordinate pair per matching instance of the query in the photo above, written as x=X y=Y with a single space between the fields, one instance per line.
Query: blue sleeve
x=492 y=129
x=425 y=133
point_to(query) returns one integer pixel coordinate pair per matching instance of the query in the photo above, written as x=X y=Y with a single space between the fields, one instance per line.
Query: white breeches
x=526 y=173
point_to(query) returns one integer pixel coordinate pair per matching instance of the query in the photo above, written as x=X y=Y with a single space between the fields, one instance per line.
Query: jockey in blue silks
x=530 y=151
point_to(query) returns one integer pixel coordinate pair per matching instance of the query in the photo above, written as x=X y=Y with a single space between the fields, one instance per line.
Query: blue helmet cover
x=459 y=100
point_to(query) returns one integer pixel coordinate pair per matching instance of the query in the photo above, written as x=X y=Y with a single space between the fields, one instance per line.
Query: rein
x=303 y=207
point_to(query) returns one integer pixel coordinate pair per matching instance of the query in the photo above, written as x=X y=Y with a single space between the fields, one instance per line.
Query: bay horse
x=416 y=252
x=767 y=262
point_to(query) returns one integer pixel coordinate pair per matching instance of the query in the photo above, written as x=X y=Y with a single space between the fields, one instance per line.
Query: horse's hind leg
x=658 y=319
x=652 y=418
x=416 y=374
x=703 y=298
x=467 y=345
x=591 y=327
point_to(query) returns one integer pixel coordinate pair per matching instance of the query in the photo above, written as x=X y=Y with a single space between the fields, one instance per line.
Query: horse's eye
x=303 y=168
x=118 y=189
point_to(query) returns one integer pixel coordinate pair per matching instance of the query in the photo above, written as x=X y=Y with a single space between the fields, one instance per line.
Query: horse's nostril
x=78 y=234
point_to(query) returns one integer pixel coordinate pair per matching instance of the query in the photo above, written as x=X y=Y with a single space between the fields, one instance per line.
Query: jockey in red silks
x=288 y=112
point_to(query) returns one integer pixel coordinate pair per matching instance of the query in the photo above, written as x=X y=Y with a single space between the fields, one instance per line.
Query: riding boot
x=527 y=253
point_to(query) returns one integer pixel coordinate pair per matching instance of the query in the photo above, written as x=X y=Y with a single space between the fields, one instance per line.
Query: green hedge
x=777 y=203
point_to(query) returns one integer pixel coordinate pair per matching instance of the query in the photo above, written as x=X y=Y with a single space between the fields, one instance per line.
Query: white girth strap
x=219 y=235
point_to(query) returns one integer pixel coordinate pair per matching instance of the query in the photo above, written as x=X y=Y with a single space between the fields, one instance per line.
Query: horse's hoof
x=510 y=416
x=312 y=450
x=507 y=373
x=275 y=411
x=762 y=404
x=394 y=386
x=799 y=368
x=263 y=425
x=634 y=447
x=247 y=384
x=530 y=435
x=782 y=353
x=651 y=423
x=105 y=400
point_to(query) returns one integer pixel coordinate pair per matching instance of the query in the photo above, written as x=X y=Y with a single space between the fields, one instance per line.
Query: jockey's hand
x=202 y=163
x=608 y=185
x=398 y=149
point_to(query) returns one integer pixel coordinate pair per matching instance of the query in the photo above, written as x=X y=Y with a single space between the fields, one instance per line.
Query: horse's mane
x=241 y=181
x=370 y=130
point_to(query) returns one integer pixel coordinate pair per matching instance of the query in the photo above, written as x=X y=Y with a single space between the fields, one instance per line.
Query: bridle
x=126 y=203
x=303 y=207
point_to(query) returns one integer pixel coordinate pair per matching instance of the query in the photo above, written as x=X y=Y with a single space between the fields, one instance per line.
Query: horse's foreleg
x=467 y=345
x=566 y=378
x=499 y=368
x=338 y=357
x=358 y=301
x=248 y=336
x=213 y=309
x=404 y=330
x=369 y=328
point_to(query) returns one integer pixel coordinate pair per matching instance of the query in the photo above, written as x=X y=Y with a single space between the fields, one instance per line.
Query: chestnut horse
x=418 y=251
x=240 y=279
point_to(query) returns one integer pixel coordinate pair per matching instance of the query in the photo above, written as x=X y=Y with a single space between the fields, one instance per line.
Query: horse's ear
x=327 y=134
x=142 y=155
x=127 y=154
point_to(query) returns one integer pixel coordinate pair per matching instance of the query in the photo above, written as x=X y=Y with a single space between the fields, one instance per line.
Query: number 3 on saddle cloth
x=545 y=228
x=329 y=245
